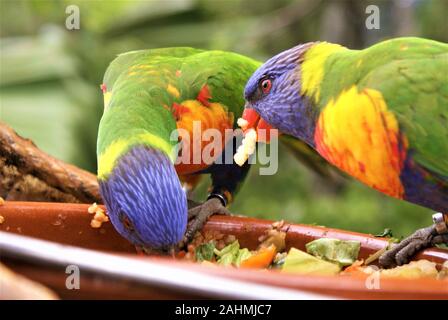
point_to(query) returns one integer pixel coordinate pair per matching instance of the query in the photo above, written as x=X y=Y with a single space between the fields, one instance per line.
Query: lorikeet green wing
x=378 y=114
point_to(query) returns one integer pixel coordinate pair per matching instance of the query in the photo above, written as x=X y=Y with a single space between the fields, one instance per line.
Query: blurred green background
x=50 y=77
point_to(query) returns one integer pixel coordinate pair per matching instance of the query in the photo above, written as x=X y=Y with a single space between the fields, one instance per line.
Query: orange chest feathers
x=203 y=132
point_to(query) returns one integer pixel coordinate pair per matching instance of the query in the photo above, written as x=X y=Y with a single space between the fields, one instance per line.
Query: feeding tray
x=69 y=224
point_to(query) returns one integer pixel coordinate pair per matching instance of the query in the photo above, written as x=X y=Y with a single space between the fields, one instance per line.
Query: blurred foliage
x=50 y=77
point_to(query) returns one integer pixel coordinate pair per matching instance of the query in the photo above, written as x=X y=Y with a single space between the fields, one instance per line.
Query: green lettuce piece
x=205 y=251
x=334 y=250
x=242 y=255
x=301 y=262
x=386 y=233
x=226 y=260
x=232 y=254
x=230 y=248
x=228 y=254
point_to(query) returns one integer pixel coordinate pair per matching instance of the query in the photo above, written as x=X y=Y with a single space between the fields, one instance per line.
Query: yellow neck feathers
x=107 y=160
x=313 y=67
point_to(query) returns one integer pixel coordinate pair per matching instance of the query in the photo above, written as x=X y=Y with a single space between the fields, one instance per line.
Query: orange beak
x=264 y=130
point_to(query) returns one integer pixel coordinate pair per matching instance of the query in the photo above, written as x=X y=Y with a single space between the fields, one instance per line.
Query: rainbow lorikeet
x=379 y=114
x=149 y=97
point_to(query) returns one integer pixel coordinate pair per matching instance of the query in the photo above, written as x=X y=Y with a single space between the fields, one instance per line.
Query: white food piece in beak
x=246 y=148
x=251 y=135
x=242 y=123
x=239 y=158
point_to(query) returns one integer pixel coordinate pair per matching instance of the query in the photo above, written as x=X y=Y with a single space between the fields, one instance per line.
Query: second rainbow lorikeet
x=378 y=114
x=149 y=95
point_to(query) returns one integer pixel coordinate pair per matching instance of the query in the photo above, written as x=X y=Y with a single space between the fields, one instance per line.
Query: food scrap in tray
x=324 y=256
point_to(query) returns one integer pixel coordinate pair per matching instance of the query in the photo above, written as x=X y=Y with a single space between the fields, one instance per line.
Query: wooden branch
x=28 y=173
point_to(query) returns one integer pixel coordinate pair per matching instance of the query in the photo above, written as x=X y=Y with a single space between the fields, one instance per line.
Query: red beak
x=264 y=130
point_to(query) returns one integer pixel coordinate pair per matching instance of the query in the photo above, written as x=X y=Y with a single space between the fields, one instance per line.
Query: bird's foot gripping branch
x=420 y=239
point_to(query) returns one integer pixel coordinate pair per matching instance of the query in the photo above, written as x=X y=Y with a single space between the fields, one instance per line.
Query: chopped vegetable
x=242 y=255
x=274 y=237
x=386 y=233
x=335 y=250
x=301 y=262
x=443 y=274
x=375 y=256
x=356 y=268
x=262 y=259
x=325 y=256
x=226 y=260
x=228 y=255
x=205 y=251
x=229 y=249
x=2 y=219
x=413 y=270
x=181 y=254
x=2 y=201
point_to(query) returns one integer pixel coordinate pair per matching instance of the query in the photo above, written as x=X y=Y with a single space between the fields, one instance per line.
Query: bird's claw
x=197 y=216
x=403 y=251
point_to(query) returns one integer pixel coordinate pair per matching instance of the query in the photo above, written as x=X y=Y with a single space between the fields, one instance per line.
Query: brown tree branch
x=27 y=173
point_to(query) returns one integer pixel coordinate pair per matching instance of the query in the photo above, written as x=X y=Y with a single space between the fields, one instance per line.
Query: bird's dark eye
x=265 y=85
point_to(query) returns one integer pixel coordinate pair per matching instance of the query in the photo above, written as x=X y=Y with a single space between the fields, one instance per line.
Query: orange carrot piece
x=181 y=254
x=262 y=259
x=355 y=269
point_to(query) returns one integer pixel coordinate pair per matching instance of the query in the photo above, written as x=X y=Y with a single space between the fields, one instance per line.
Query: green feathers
x=411 y=74
x=141 y=88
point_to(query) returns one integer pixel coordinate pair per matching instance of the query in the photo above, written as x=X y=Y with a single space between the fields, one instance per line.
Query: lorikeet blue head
x=144 y=199
x=273 y=93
